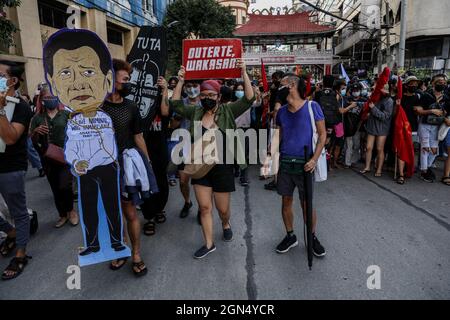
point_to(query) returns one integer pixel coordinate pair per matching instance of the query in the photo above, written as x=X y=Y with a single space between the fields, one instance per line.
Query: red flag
x=264 y=77
x=403 y=144
x=308 y=85
x=376 y=94
x=399 y=89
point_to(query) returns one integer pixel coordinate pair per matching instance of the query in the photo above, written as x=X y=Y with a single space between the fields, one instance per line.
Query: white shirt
x=91 y=140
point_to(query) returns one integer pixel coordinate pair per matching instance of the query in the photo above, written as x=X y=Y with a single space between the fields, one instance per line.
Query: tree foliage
x=197 y=19
x=7 y=28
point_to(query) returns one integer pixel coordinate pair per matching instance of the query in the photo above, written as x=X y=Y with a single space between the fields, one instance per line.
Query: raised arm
x=162 y=83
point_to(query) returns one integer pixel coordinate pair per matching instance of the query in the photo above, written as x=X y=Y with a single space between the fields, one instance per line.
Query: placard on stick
x=211 y=58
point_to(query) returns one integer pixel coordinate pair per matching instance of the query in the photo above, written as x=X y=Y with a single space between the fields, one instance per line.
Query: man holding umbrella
x=295 y=133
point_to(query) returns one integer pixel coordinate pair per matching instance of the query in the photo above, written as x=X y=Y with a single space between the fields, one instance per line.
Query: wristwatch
x=2 y=112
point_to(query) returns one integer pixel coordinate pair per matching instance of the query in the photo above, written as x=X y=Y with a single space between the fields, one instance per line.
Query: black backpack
x=330 y=107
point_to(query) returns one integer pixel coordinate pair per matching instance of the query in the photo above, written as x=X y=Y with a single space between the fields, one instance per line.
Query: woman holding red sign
x=218 y=182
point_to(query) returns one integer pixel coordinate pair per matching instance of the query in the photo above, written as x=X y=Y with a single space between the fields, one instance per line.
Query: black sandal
x=139 y=265
x=17 y=265
x=401 y=180
x=121 y=261
x=7 y=246
x=149 y=228
x=160 y=217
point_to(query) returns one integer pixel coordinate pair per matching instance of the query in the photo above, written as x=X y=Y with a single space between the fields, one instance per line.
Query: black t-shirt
x=156 y=139
x=15 y=156
x=126 y=120
x=273 y=96
x=428 y=102
x=408 y=104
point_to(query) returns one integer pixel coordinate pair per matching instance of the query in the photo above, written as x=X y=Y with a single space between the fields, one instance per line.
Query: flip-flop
x=378 y=175
x=114 y=268
x=139 y=265
x=364 y=172
x=446 y=181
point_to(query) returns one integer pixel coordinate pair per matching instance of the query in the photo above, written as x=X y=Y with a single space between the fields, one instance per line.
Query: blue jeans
x=12 y=189
x=33 y=156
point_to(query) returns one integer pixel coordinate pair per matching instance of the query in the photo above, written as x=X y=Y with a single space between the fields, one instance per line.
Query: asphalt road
x=363 y=221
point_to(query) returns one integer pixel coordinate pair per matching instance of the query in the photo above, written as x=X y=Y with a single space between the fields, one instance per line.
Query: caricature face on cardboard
x=79 y=75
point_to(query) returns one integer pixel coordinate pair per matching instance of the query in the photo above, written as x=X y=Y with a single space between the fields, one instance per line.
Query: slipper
x=121 y=261
x=139 y=265
x=446 y=181
x=149 y=228
x=364 y=171
x=378 y=175
x=401 y=180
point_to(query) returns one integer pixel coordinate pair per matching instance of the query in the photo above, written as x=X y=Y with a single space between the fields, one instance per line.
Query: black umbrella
x=308 y=176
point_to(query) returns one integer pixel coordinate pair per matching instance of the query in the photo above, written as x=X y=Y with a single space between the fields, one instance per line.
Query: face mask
x=283 y=93
x=125 y=91
x=364 y=93
x=356 y=94
x=239 y=94
x=193 y=92
x=439 y=87
x=50 y=103
x=3 y=84
x=343 y=92
x=171 y=86
x=412 y=89
x=208 y=104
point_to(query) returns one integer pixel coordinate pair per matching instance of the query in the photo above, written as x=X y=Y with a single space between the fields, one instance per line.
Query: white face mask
x=356 y=94
x=3 y=84
x=193 y=92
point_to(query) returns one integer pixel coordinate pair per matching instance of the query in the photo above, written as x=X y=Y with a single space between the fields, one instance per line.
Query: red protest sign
x=211 y=58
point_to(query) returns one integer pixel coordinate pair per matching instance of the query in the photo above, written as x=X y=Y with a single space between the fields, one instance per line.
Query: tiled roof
x=296 y=23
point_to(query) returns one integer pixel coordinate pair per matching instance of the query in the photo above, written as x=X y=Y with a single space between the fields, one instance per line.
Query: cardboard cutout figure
x=78 y=69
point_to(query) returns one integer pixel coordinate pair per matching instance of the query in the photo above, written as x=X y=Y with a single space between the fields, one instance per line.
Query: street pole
x=380 y=42
x=403 y=26
x=388 y=36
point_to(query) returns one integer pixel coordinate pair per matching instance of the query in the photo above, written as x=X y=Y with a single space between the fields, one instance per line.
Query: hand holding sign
x=181 y=73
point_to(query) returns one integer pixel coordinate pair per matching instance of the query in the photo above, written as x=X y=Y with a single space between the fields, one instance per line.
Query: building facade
x=116 y=22
x=428 y=34
x=239 y=9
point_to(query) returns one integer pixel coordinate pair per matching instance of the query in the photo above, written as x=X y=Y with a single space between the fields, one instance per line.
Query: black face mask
x=439 y=87
x=208 y=104
x=125 y=91
x=412 y=89
x=283 y=94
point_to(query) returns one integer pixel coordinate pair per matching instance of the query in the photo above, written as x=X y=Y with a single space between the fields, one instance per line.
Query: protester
x=331 y=99
x=218 y=183
x=48 y=127
x=352 y=122
x=13 y=165
x=295 y=125
x=378 y=127
x=410 y=101
x=155 y=137
x=432 y=113
x=127 y=124
x=277 y=98
x=192 y=90
x=244 y=122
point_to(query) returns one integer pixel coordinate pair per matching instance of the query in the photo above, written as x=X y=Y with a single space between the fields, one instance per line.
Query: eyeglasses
x=210 y=96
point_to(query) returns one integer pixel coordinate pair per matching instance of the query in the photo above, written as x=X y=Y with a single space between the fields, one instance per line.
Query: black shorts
x=286 y=184
x=220 y=178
